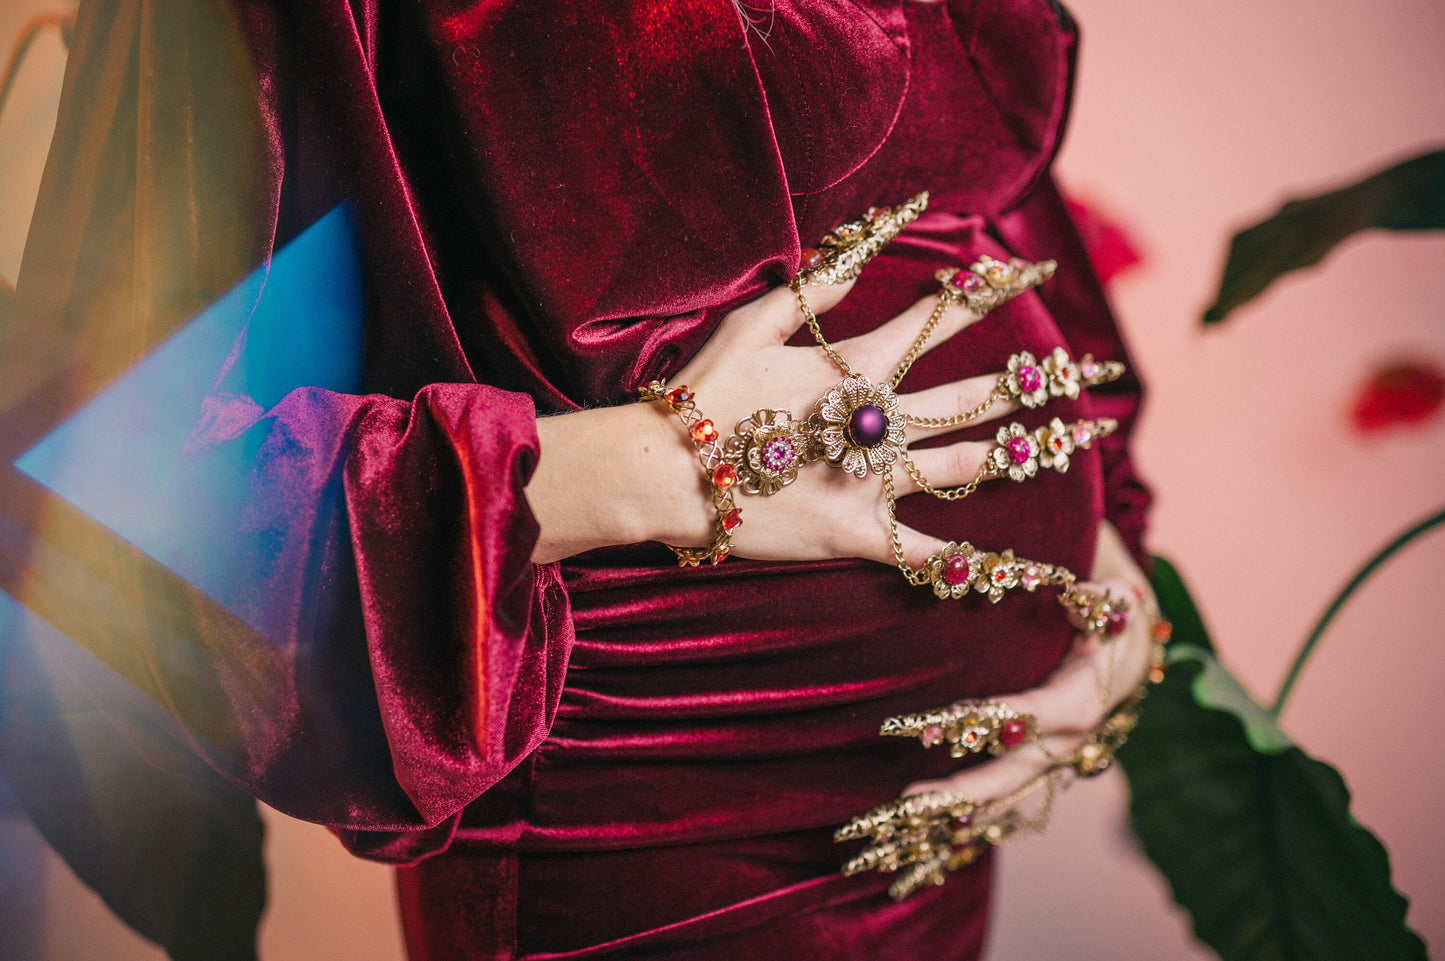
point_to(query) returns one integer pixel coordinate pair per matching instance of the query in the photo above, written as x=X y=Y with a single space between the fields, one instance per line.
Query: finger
x=772 y=318
x=952 y=399
x=943 y=467
x=1068 y=703
x=917 y=547
x=991 y=779
x=880 y=351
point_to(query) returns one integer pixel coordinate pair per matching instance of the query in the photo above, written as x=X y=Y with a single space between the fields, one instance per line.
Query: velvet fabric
x=610 y=756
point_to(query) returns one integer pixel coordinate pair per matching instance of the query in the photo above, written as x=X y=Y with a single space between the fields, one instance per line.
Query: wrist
x=616 y=475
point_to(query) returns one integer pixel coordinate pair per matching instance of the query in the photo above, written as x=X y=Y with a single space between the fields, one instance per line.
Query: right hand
x=627 y=474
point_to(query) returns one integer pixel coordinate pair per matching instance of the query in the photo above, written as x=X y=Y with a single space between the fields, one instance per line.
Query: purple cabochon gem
x=868 y=425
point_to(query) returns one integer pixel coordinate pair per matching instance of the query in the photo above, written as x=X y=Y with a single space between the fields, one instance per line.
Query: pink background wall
x=1191 y=120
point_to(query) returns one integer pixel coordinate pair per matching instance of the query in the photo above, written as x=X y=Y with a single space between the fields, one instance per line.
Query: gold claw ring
x=968 y=727
x=841 y=255
x=989 y=283
x=924 y=837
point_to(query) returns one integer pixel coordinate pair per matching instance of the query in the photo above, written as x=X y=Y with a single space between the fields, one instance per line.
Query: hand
x=1068 y=706
x=939 y=826
x=627 y=474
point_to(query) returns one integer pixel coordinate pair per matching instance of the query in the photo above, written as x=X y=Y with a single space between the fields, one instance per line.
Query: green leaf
x=1214 y=687
x=1408 y=196
x=1257 y=845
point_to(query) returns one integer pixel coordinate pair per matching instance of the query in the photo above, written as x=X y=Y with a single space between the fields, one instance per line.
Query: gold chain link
x=917 y=578
x=951 y=494
x=916 y=349
x=998 y=393
x=812 y=321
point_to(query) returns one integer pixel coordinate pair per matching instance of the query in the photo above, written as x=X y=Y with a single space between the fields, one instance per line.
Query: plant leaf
x=1259 y=847
x=1407 y=196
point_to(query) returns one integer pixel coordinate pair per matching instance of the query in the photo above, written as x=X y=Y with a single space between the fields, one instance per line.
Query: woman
x=482 y=665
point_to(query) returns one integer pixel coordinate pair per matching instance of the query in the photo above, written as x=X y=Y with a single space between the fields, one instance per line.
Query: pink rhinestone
x=778 y=454
x=1013 y=732
x=1031 y=578
x=1030 y=379
x=955 y=570
x=1018 y=449
x=933 y=734
x=1088 y=368
x=1082 y=435
x=968 y=281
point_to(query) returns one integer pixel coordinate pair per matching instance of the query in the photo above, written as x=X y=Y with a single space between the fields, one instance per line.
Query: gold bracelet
x=721 y=476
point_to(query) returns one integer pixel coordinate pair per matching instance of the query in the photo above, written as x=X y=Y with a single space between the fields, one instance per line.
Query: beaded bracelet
x=721 y=476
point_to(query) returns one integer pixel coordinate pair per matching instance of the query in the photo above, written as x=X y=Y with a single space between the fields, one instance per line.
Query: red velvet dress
x=556 y=203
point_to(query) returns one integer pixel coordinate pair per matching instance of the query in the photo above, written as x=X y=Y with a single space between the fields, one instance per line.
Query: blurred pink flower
x=1111 y=250
x=1399 y=394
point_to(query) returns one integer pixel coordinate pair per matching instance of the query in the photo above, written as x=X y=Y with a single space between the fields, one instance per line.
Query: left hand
x=1068 y=706
x=941 y=825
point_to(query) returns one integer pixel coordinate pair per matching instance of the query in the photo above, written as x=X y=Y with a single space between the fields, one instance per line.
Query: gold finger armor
x=989 y=283
x=924 y=837
x=841 y=255
x=967 y=727
x=1094 y=613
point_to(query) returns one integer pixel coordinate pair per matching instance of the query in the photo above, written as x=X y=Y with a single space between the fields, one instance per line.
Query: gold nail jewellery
x=967 y=727
x=857 y=426
x=925 y=837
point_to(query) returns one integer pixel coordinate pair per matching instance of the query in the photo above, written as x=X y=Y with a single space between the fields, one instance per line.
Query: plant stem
x=28 y=33
x=1344 y=595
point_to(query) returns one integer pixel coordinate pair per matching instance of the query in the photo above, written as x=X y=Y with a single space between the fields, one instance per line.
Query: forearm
x=616 y=475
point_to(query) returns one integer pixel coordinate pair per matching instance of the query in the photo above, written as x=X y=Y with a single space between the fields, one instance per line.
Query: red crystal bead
x=732 y=519
x=704 y=432
x=678 y=395
x=720 y=555
x=1115 y=621
x=955 y=570
x=724 y=476
x=811 y=257
x=1013 y=732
